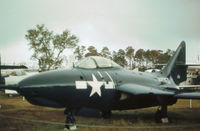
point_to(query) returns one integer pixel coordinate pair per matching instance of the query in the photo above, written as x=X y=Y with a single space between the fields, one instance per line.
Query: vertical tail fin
x=176 y=67
x=1 y=77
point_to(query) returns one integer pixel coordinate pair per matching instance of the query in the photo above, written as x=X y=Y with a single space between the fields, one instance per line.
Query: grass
x=179 y=114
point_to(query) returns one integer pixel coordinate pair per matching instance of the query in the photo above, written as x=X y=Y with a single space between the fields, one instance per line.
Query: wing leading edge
x=188 y=92
x=135 y=89
x=190 y=95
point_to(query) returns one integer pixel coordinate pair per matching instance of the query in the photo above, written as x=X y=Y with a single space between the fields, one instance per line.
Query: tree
x=154 y=54
x=170 y=52
x=79 y=52
x=130 y=55
x=119 y=57
x=92 y=51
x=164 y=57
x=48 y=47
x=105 y=52
x=147 y=57
x=139 y=56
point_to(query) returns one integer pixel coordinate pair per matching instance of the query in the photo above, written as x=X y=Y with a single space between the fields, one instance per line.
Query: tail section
x=176 y=67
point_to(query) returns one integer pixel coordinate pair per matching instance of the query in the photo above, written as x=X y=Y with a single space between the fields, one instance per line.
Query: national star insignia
x=96 y=86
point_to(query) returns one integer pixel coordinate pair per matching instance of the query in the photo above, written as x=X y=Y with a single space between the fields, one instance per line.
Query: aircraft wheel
x=106 y=114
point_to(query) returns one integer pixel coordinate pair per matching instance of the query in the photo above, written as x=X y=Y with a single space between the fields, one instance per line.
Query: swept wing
x=136 y=89
x=183 y=93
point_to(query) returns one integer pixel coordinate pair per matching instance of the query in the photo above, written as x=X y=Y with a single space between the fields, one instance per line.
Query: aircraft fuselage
x=96 y=88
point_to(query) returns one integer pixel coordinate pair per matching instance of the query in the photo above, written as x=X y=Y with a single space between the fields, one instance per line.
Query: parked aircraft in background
x=100 y=83
x=6 y=71
x=9 y=67
x=19 y=75
x=152 y=70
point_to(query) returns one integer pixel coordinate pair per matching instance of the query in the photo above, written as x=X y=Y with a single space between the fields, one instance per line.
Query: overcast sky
x=147 y=24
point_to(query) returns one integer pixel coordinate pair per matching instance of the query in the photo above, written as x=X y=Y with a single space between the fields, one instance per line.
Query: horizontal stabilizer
x=142 y=90
x=13 y=67
x=188 y=86
x=191 y=88
x=192 y=64
x=10 y=87
x=188 y=95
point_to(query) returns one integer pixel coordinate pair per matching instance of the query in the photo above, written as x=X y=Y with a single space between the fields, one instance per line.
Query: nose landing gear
x=161 y=115
x=106 y=114
x=70 y=123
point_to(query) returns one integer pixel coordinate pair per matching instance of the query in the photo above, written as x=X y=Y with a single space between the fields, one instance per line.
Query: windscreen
x=95 y=62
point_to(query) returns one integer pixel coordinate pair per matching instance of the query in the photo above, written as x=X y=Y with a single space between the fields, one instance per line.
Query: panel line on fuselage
x=110 y=85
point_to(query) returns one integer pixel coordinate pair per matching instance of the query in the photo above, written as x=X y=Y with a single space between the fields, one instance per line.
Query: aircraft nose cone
x=44 y=82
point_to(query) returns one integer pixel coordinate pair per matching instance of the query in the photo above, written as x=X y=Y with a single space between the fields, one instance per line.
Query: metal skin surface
x=58 y=89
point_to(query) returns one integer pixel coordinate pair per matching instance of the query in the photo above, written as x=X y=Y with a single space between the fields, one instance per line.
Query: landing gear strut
x=106 y=114
x=70 y=123
x=161 y=115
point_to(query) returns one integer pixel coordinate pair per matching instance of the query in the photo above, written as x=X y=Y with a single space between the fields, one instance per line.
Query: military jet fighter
x=100 y=83
x=2 y=76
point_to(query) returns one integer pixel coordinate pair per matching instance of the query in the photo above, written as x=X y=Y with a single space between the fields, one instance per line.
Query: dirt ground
x=17 y=114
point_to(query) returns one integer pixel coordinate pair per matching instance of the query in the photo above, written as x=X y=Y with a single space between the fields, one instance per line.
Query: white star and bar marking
x=95 y=84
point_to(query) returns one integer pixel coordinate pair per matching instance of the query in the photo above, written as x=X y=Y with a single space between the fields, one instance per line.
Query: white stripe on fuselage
x=100 y=74
x=81 y=84
x=110 y=84
x=109 y=76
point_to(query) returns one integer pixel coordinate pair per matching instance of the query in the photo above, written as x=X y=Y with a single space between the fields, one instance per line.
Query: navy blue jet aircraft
x=2 y=77
x=99 y=83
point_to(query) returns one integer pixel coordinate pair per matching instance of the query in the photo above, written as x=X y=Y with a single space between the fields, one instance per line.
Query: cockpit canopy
x=94 y=62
